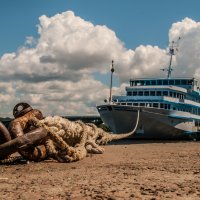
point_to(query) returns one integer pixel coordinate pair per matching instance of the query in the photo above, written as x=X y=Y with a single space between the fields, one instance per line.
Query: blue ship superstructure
x=178 y=94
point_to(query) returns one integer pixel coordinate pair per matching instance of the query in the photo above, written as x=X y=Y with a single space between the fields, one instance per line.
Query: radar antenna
x=173 y=48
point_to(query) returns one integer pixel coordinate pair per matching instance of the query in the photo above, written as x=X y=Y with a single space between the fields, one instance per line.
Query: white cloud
x=188 y=56
x=55 y=73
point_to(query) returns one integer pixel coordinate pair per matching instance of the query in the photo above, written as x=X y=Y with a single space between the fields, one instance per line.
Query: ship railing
x=145 y=98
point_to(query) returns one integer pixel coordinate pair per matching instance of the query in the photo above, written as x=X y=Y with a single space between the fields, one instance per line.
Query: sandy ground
x=127 y=170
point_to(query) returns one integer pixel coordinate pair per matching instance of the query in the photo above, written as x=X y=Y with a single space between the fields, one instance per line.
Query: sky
x=56 y=54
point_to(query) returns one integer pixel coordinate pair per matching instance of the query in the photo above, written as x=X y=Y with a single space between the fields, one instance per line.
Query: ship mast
x=171 y=53
x=111 y=77
x=172 y=48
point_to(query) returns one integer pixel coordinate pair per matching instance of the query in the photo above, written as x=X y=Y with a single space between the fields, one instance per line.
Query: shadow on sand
x=140 y=141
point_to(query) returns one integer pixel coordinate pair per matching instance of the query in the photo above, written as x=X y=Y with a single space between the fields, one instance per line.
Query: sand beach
x=128 y=169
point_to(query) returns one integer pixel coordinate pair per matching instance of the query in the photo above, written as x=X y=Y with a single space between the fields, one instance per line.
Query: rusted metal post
x=4 y=134
x=33 y=138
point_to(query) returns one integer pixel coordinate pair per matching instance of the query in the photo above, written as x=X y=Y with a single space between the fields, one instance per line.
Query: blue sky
x=65 y=69
x=134 y=21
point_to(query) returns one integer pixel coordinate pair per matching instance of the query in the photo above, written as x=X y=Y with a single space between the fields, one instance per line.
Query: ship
x=165 y=108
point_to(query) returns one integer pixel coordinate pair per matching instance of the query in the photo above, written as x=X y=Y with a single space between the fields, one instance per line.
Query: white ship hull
x=153 y=123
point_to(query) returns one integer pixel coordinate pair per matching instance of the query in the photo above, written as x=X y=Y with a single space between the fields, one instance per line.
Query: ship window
x=142 y=104
x=153 y=82
x=169 y=106
x=140 y=93
x=181 y=96
x=135 y=93
x=142 y=82
x=155 y=105
x=123 y=104
x=165 y=93
x=165 y=82
x=174 y=108
x=190 y=82
x=161 y=105
x=146 y=93
x=159 y=82
x=132 y=83
x=148 y=104
x=137 y=83
x=129 y=93
x=152 y=93
x=183 y=82
x=171 y=82
x=135 y=104
x=177 y=82
x=166 y=106
x=130 y=104
x=147 y=82
x=158 y=93
x=170 y=94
